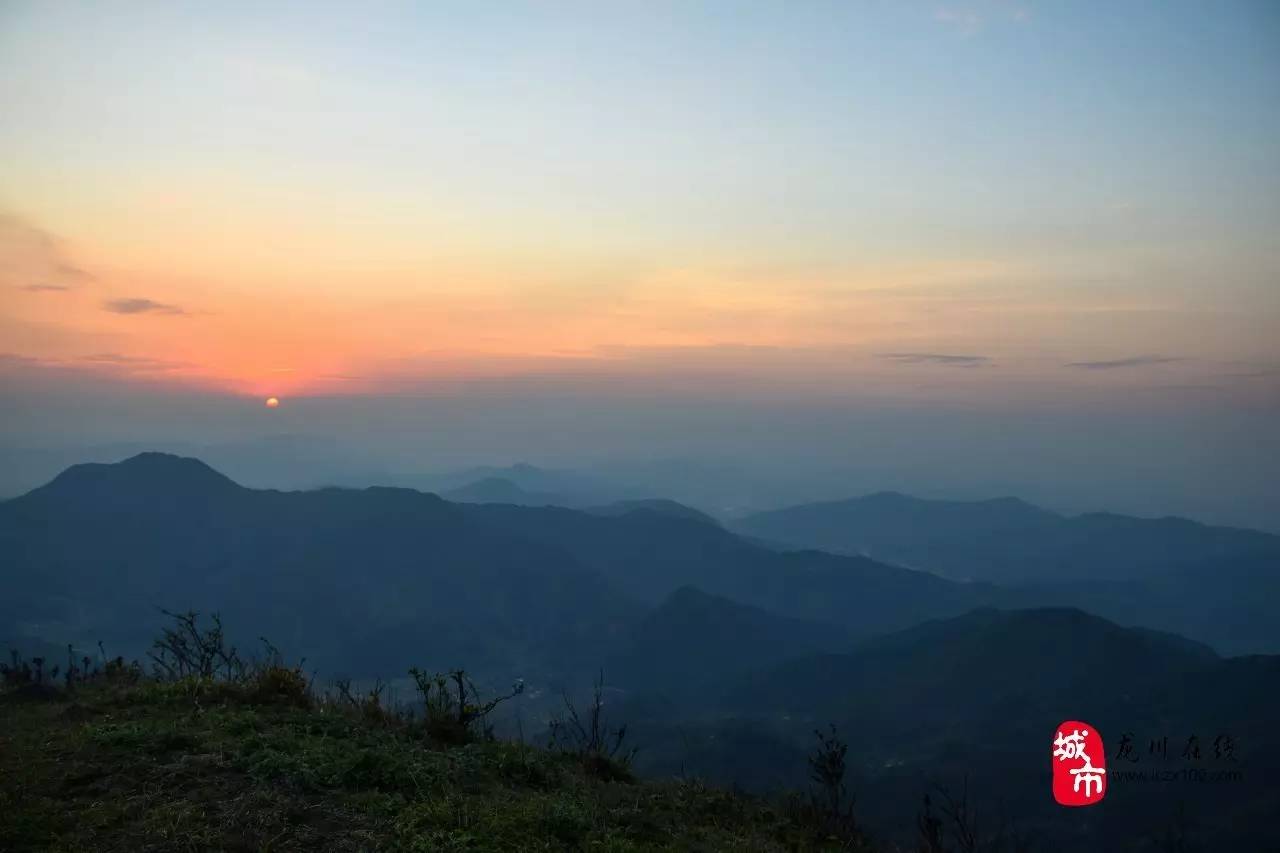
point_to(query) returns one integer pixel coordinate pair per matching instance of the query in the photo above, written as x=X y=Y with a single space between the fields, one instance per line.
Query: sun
x=272 y=402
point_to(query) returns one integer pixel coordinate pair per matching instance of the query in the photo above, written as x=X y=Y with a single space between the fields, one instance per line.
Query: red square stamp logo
x=1079 y=765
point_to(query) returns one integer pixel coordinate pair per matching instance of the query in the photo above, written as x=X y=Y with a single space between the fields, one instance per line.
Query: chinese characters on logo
x=1079 y=765
x=1222 y=749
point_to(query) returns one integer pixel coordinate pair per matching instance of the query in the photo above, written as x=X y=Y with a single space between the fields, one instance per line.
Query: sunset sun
x=272 y=403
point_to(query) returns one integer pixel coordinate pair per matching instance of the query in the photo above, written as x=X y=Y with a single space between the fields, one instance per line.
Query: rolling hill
x=349 y=576
x=344 y=577
x=1003 y=540
x=975 y=701
x=1211 y=583
x=694 y=645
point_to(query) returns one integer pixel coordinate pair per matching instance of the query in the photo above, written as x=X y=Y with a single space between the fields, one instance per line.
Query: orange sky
x=260 y=205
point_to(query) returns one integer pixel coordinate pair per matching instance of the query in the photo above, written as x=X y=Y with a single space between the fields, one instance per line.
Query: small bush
x=827 y=812
x=187 y=649
x=32 y=679
x=368 y=706
x=194 y=663
x=275 y=684
x=598 y=747
x=453 y=712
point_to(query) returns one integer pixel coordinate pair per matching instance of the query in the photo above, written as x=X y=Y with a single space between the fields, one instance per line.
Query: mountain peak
x=150 y=473
x=501 y=490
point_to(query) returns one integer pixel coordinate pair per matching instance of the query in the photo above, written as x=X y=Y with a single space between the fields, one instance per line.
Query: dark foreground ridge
x=249 y=757
x=151 y=769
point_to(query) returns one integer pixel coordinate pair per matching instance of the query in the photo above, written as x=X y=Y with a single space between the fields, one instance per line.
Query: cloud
x=1115 y=364
x=8 y=359
x=937 y=358
x=30 y=254
x=72 y=272
x=130 y=362
x=140 y=306
x=1202 y=386
x=105 y=373
x=111 y=361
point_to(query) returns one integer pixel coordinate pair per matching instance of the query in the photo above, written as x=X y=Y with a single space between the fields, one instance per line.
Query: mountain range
x=975 y=700
x=724 y=651
x=352 y=576
x=1168 y=573
x=1004 y=540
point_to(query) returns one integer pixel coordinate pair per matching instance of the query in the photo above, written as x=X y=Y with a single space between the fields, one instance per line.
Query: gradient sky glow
x=989 y=203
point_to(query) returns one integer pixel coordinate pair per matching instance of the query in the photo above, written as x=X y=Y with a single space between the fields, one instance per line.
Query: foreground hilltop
x=124 y=762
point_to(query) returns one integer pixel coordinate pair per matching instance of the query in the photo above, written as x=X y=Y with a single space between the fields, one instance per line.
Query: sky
x=578 y=231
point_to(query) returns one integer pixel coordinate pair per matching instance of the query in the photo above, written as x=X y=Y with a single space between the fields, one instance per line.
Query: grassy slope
x=147 y=768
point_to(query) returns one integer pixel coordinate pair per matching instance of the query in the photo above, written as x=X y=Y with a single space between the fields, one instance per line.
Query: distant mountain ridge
x=648 y=555
x=997 y=655
x=345 y=576
x=660 y=506
x=694 y=644
x=497 y=490
x=524 y=484
x=1001 y=540
x=381 y=573
x=1212 y=583
x=392 y=565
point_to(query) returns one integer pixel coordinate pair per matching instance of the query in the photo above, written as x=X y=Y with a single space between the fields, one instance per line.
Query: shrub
x=957 y=818
x=18 y=671
x=827 y=812
x=367 y=706
x=598 y=747
x=453 y=712
x=188 y=650
x=31 y=678
x=275 y=684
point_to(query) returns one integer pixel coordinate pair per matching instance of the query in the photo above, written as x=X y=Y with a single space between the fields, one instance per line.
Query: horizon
x=446 y=482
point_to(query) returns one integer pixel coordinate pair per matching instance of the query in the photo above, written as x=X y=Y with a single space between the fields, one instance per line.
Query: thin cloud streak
x=133 y=363
x=141 y=306
x=947 y=359
x=1118 y=363
x=34 y=260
